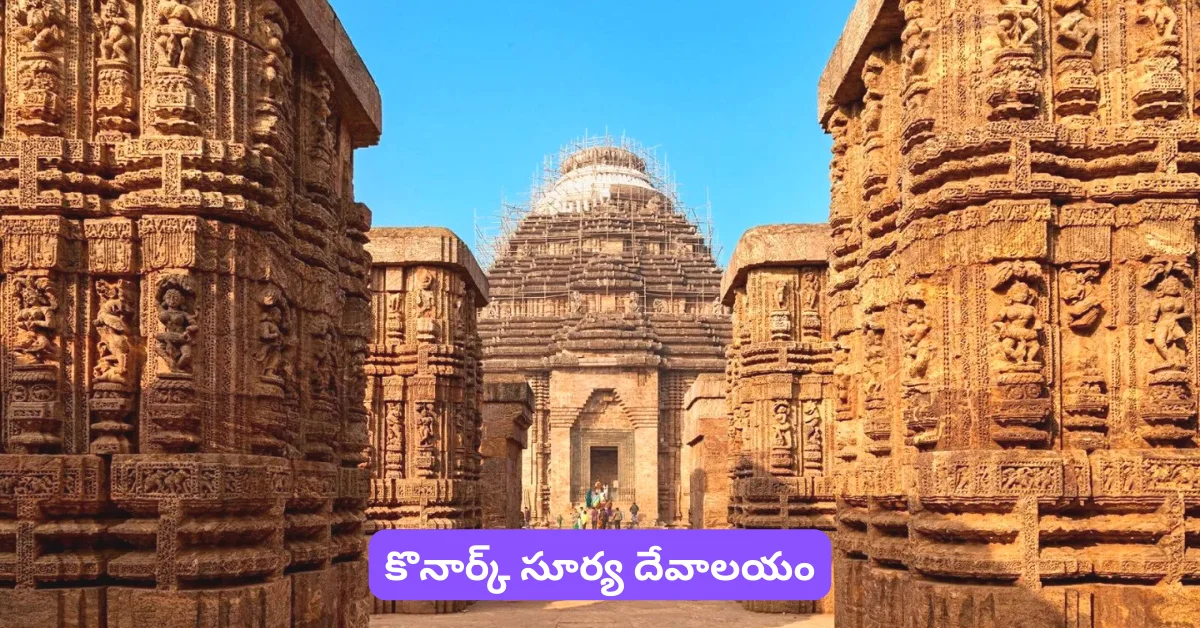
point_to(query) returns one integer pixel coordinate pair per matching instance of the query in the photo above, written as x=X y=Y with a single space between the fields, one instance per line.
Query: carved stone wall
x=1014 y=213
x=780 y=413
x=424 y=387
x=507 y=415
x=183 y=314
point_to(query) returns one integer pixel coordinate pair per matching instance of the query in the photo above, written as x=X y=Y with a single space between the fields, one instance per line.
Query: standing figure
x=175 y=30
x=785 y=436
x=117 y=43
x=178 y=324
x=1018 y=326
x=35 y=320
x=113 y=327
x=1168 y=315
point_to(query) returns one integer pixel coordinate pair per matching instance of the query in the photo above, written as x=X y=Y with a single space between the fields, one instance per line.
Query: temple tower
x=1013 y=270
x=605 y=299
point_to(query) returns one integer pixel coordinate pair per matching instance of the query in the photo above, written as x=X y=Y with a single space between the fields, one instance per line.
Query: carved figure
x=1168 y=315
x=117 y=42
x=1082 y=309
x=1162 y=17
x=917 y=349
x=113 y=326
x=575 y=302
x=426 y=421
x=36 y=327
x=1075 y=30
x=323 y=379
x=1019 y=23
x=785 y=436
x=916 y=49
x=177 y=319
x=273 y=335
x=633 y=303
x=812 y=425
x=1018 y=326
x=274 y=28
x=39 y=25
x=176 y=22
x=781 y=291
x=426 y=299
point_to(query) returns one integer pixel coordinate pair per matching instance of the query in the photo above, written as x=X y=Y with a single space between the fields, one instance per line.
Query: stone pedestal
x=426 y=387
x=780 y=408
x=183 y=318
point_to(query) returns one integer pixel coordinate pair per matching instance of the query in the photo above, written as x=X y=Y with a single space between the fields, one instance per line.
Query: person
x=595 y=495
x=527 y=517
x=583 y=518
x=617 y=517
x=633 y=516
x=559 y=522
x=604 y=513
x=595 y=517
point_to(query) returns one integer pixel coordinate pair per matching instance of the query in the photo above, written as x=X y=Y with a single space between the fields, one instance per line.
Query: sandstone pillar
x=426 y=387
x=561 y=499
x=780 y=370
x=507 y=415
x=1013 y=272
x=705 y=476
x=184 y=314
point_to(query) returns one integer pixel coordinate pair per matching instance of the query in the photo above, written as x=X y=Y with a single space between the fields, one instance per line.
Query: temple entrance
x=604 y=468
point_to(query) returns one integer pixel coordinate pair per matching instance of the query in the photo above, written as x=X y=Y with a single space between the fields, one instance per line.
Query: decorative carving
x=39 y=66
x=1158 y=88
x=427 y=327
x=1171 y=406
x=275 y=78
x=393 y=459
x=814 y=439
x=174 y=103
x=177 y=324
x=116 y=109
x=1020 y=406
x=781 y=316
x=36 y=339
x=274 y=337
x=920 y=417
x=114 y=326
x=783 y=451
x=1085 y=397
x=1013 y=91
x=1076 y=91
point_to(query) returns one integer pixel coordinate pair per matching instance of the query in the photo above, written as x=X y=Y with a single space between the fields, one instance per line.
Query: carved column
x=158 y=272
x=781 y=428
x=1026 y=306
x=427 y=406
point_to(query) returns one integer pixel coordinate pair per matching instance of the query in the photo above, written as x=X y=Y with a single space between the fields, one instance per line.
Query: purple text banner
x=600 y=564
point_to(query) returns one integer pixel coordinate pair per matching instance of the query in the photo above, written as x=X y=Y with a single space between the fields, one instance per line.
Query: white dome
x=589 y=177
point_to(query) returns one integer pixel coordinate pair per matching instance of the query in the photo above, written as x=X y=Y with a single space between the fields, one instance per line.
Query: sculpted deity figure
x=812 y=425
x=1168 y=315
x=178 y=322
x=176 y=22
x=113 y=326
x=1018 y=326
x=917 y=350
x=575 y=302
x=426 y=300
x=273 y=332
x=39 y=25
x=323 y=379
x=781 y=291
x=117 y=42
x=1082 y=309
x=873 y=329
x=427 y=418
x=872 y=76
x=1162 y=17
x=785 y=436
x=633 y=303
x=1075 y=30
x=37 y=306
x=812 y=292
x=1018 y=20
x=393 y=423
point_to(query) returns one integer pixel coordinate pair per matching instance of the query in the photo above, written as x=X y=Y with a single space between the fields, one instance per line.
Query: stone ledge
x=321 y=31
x=706 y=386
x=436 y=246
x=775 y=245
x=871 y=24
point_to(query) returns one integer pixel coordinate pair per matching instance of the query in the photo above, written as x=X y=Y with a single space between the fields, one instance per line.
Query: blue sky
x=476 y=93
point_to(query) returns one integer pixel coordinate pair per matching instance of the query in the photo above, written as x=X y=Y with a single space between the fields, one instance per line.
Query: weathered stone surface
x=781 y=422
x=184 y=315
x=507 y=415
x=705 y=475
x=425 y=387
x=1012 y=288
x=606 y=302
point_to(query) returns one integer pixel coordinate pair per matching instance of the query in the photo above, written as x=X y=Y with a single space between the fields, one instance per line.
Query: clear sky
x=476 y=93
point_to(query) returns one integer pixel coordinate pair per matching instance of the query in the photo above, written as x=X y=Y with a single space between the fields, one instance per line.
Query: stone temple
x=605 y=299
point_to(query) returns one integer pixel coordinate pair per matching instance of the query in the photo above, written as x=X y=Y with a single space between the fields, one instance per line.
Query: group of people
x=597 y=513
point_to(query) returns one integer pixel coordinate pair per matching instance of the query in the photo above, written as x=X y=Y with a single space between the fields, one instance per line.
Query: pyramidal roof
x=604 y=269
